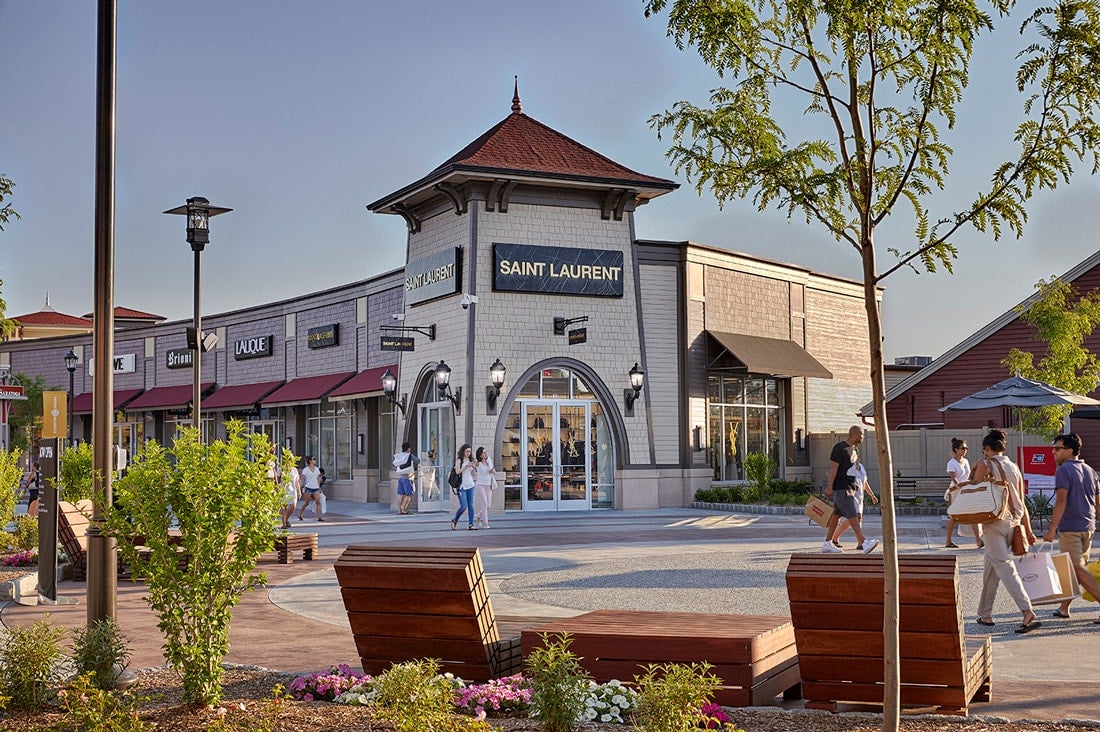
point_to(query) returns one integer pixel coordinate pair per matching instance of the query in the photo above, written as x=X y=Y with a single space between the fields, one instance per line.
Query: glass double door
x=556 y=473
x=436 y=450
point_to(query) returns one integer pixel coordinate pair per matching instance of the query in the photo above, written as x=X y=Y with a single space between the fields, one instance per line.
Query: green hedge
x=778 y=493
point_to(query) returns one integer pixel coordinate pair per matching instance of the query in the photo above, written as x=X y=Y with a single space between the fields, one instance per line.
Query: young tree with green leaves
x=25 y=418
x=875 y=84
x=7 y=213
x=1062 y=320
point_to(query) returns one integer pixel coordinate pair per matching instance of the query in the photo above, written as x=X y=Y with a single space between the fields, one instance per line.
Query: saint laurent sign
x=178 y=358
x=397 y=343
x=257 y=347
x=323 y=336
x=557 y=270
x=433 y=277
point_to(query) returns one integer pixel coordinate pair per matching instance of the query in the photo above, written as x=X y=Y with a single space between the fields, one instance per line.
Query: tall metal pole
x=196 y=393
x=102 y=580
x=72 y=373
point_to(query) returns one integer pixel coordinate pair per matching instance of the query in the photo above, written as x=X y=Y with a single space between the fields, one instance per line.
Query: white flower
x=605 y=718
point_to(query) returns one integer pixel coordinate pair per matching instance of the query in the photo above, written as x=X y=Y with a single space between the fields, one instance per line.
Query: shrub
x=30 y=664
x=508 y=695
x=609 y=703
x=559 y=684
x=671 y=695
x=10 y=477
x=100 y=652
x=22 y=558
x=222 y=504
x=88 y=707
x=75 y=473
x=413 y=696
x=326 y=685
x=26 y=532
x=759 y=469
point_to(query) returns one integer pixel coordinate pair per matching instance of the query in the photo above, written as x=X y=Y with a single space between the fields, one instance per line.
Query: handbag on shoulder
x=976 y=503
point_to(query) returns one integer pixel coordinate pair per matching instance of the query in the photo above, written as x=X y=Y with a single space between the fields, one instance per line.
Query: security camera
x=467 y=300
x=399 y=317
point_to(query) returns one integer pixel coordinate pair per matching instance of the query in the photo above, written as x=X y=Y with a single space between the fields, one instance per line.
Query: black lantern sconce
x=389 y=388
x=637 y=381
x=496 y=381
x=443 y=386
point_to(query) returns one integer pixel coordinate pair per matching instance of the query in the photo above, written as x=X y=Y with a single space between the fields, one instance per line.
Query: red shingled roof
x=523 y=144
x=130 y=314
x=52 y=317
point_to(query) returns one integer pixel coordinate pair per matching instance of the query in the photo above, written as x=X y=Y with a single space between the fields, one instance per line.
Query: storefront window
x=745 y=416
x=329 y=438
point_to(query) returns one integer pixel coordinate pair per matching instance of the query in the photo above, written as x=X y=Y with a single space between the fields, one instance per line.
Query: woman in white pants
x=484 y=486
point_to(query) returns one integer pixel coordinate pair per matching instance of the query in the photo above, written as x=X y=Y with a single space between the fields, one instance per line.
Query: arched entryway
x=557 y=441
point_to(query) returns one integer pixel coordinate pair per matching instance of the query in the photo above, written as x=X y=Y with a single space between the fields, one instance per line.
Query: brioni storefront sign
x=557 y=270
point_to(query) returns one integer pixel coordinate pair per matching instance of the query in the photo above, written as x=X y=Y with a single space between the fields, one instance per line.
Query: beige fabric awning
x=771 y=355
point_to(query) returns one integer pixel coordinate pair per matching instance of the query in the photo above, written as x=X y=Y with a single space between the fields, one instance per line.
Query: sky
x=298 y=114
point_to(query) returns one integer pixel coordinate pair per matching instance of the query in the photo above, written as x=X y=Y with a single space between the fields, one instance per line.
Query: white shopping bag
x=1039 y=575
x=324 y=501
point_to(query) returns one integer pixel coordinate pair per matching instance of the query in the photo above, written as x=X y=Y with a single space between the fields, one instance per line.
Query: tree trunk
x=891 y=695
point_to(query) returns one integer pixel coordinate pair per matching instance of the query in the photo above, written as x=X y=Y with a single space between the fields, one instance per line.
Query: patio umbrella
x=1016 y=391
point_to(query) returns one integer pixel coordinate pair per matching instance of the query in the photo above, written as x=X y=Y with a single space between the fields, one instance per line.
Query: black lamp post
x=70 y=366
x=198 y=212
x=442 y=385
x=496 y=381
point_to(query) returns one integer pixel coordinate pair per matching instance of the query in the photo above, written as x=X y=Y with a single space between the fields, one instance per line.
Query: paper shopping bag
x=1071 y=590
x=819 y=510
x=1038 y=574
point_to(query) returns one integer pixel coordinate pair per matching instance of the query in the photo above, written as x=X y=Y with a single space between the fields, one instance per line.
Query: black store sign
x=179 y=358
x=398 y=343
x=257 y=347
x=578 y=336
x=434 y=276
x=323 y=336
x=557 y=270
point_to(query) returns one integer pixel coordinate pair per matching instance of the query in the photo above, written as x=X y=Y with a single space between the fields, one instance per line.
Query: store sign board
x=433 y=277
x=398 y=343
x=557 y=270
x=124 y=364
x=578 y=336
x=256 y=347
x=1038 y=466
x=323 y=336
x=179 y=358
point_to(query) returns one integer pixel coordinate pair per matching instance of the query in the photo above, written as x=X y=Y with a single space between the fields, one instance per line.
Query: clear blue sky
x=297 y=114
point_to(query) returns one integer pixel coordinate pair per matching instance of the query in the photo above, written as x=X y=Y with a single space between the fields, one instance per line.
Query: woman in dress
x=483 y=485
x=958 y=470
x=464 y=466
x=999 y=566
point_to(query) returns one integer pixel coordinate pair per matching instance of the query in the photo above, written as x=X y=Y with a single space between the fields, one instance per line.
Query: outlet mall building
x=521 y=253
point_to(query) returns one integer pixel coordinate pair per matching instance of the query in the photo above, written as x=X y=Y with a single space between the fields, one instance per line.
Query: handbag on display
x=976 y=503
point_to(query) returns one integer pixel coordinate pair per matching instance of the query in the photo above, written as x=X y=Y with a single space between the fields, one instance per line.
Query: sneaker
x=837 y=544
x=868 y=546
x=951 y=545
x=473 y=528
x=828 y=548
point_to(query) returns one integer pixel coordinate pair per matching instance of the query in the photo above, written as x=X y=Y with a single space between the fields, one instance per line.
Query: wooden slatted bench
x=72 y=529
x=754 y=655
x=837 y=609
x=408 y=603
x=287 y=544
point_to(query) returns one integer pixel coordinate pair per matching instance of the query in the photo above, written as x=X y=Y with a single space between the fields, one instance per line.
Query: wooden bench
x=837 y=609
x=928 y=487
x=408 y=603
x=754 y=655
x=287 y=544
x=72 y=531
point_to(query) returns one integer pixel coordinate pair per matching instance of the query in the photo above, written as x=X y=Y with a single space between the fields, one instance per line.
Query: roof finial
x=47 y=301
x=517 y=108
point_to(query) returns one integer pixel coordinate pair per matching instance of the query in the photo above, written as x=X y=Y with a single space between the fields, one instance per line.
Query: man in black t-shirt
x=844 y=488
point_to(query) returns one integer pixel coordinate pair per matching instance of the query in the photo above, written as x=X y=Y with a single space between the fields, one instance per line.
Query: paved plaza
x=557 y=565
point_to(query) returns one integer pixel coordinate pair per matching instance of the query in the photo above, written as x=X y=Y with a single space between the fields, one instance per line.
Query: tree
x=7 y=213
x=25 y=418
x=879 y=80
x=1062 y=321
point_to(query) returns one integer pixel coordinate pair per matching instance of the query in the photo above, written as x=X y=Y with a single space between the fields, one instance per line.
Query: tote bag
x=1039 y=575
x=976 y=503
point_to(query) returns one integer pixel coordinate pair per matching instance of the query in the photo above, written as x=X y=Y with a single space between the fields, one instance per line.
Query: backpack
x=454 y=480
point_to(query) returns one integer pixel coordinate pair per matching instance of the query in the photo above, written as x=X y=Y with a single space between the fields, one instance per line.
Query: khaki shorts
x=1077 y=544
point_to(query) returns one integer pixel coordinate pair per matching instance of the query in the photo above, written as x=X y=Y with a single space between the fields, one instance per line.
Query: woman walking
x=311 y=488
x=999 y=566
x=484 y=486
x=958 y=470
x=464 y=466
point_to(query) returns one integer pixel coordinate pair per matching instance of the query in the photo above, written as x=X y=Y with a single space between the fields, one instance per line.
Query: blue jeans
x=465 y=503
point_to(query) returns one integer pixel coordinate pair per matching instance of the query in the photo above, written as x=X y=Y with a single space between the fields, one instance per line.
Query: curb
x=756 y=508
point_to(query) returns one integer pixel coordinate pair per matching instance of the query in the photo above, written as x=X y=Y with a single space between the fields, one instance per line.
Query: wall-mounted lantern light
x=443 y=386
x=496 y=381
x=637 y=381
x=389 y=388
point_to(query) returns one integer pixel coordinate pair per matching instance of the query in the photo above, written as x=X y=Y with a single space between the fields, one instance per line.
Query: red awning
x=305 y=390
x=363 y=384
x=82 y=403
x=240 y=395
x=165 y=397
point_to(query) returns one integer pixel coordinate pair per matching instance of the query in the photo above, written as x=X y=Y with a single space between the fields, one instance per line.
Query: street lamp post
x=198 y=212
x=70 y=365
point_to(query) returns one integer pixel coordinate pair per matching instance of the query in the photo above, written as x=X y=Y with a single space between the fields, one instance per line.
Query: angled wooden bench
x=754 y=655
x=408 y=603
x=72 y=532
x=836 y=606
x=287 y=544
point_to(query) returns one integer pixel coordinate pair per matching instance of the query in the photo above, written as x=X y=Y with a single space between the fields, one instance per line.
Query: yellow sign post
x=55 y=415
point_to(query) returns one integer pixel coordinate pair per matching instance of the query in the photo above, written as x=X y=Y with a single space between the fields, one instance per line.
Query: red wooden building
x=975 y=364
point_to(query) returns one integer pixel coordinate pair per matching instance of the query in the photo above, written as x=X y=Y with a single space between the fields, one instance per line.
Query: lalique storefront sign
x=557 y=270
x=257 y=347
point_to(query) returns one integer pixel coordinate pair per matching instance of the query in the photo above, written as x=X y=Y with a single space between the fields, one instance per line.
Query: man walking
x=842 y=487
x=1075 y=495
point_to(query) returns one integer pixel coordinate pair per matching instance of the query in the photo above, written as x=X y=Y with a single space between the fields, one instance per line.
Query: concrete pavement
x=553 y=565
